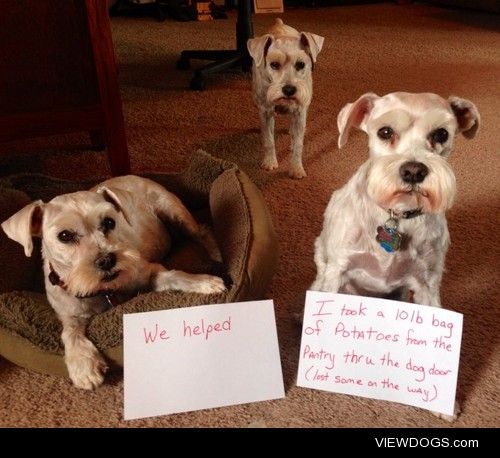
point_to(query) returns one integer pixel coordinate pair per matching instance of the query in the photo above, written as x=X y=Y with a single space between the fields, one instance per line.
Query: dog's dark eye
x=66 y=236
x=107 y=224
x=299 y=65
x=439 y=136
x=275 y=65
x=385 y=133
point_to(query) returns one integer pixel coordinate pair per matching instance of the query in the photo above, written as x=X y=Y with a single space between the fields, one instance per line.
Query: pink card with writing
x=381 y=349
x=201 y=357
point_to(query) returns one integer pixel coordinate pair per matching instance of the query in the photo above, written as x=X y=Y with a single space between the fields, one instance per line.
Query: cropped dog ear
x=25 y=224
x=122 y=200
x=257 y=47
x=313 y=43
x=467 y=116
x=354 y=115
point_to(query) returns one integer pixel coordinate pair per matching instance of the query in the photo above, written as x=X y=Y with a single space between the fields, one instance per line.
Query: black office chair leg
x=223 y=59
x=198 y=81
x=184 y=61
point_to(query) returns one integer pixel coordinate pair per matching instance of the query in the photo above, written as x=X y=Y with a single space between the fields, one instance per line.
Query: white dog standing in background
x=283 y=60
x=101 y=242
x=385 y=231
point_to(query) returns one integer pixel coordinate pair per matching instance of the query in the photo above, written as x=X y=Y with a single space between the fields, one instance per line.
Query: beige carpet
x=381 y=48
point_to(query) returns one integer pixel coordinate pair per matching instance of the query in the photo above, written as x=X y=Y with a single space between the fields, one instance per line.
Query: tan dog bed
x=215 y=191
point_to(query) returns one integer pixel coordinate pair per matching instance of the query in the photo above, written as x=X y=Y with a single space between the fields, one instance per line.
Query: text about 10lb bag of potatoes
x=381 y=349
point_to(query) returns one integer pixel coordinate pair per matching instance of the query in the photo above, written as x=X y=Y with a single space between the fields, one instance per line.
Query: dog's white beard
x=301 y=98
x=434 y=195
x=87 y=280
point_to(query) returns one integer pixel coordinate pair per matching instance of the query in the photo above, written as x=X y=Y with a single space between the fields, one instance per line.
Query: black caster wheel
x=160 y=14
x=183 y=64
x=197 y=83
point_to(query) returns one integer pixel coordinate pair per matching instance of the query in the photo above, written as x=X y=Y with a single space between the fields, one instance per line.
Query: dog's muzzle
x=284 y=105
x=289 y=90
x=106 y=262
x=413 y=172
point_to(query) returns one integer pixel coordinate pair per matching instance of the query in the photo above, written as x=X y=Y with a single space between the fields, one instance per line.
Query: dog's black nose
x=106 y=262
x=413 y=172
x=289 y=90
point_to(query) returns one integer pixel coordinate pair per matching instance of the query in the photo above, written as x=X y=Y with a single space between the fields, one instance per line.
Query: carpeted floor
x=380 y=48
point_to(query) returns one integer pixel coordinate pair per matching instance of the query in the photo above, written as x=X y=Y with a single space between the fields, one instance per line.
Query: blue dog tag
x=389 y=238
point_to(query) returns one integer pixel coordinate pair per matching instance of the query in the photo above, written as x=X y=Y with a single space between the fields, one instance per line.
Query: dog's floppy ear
x=354 y=115
x=24 y=225
x=122 y=200
x=467 y=116
x=257 y=47
x=313 y=43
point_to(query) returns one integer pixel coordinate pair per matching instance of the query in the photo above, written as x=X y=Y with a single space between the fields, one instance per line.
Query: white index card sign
x=381 y=349
x=200 y=357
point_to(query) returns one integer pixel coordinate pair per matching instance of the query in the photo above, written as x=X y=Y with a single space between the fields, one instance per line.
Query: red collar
x=55 y=279
x=109 y=299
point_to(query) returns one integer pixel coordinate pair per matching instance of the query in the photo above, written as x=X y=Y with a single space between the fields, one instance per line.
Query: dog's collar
x=55 y=279
x=407 y=214
x=109 y=297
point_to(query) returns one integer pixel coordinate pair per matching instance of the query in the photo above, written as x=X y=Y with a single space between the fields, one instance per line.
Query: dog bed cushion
x=214 y=190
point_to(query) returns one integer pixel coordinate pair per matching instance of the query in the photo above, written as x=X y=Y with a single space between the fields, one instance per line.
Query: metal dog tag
x=388 y=236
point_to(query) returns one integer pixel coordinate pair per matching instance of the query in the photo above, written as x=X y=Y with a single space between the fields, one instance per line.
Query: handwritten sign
x=200 y=357
x=381 y=349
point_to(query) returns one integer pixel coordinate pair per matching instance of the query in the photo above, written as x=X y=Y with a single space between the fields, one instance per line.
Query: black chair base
x=124 y=8
x=224 y=59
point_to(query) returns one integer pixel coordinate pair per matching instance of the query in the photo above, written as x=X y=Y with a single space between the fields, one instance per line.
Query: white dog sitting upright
x=385 y=232
x=283 y=60
x=101 y=242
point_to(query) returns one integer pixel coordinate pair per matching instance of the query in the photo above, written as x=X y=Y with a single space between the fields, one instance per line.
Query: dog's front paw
x=210 y=284
x=86 y=371
x=297 y=172
x=269 y=164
